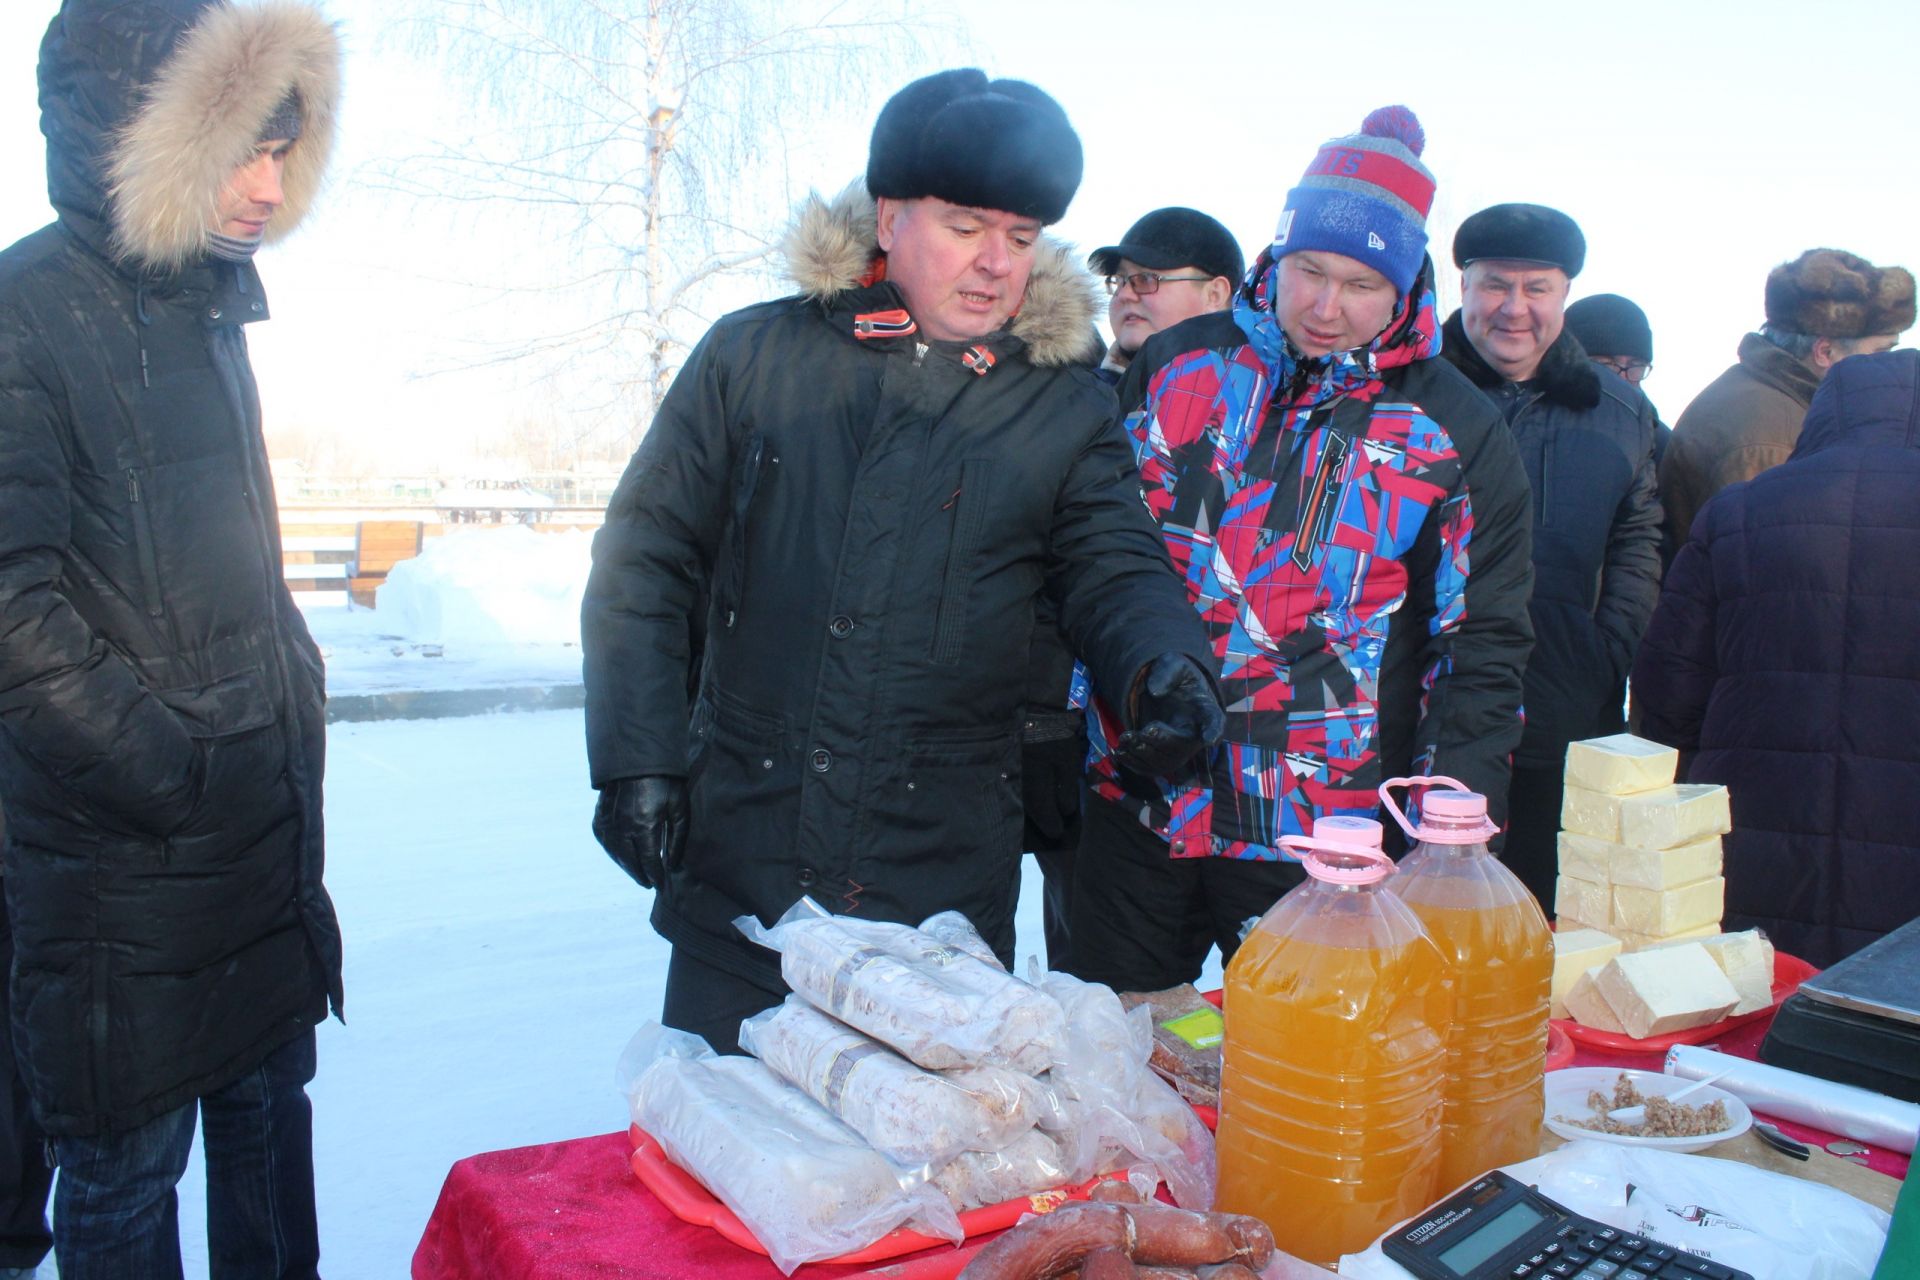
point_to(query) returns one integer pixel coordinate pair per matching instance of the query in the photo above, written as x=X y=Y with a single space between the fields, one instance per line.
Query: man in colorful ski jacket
x=1352 y=522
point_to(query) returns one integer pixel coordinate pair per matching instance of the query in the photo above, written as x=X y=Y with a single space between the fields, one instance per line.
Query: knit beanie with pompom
x=1366 y=197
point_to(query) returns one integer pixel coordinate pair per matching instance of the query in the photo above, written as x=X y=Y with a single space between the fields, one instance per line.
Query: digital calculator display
x=1493 y=1236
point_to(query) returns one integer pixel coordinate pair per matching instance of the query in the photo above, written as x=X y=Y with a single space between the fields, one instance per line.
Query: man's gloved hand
x=642 y=824
x=1176 y=714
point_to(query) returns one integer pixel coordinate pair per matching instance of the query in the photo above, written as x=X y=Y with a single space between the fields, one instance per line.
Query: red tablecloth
x=573 y=1210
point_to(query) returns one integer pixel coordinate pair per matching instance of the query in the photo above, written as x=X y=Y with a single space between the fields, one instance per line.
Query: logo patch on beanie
x=1375 y=242
x=1281 y=232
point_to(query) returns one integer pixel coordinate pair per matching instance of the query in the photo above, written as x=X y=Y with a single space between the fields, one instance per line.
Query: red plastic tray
x=1788 y=973
x=691 y=1202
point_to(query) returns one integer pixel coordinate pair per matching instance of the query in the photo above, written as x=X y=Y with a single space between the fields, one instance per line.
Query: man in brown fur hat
x=806 y=631
x=161 y=728
x=1822 y=307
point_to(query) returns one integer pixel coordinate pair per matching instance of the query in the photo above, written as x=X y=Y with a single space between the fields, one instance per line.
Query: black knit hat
x=1609 y=325
x=1174 y=237
x=988 y=144
x=286 y=121
x=1522 y=233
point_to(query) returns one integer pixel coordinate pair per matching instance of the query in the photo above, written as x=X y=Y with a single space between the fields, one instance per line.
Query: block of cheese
x=1620 y=765
x=1663 y=868
x=1585 y=857
x=1592 y=813
x=1631 y=941
x=1665 y=989
x=1578 y=899
x=1586 y=1006
x=1665 y=912
x=1673 y=816
x=1747 y=960
x=1577 y=951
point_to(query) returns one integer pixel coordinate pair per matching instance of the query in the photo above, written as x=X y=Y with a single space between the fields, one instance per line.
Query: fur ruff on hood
x=831 y=245
x=200 y=119
x=1565 y=376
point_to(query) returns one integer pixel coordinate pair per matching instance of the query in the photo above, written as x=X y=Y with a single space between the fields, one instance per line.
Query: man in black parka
x=1587 y=439
x=161 y=729
x=862 y=491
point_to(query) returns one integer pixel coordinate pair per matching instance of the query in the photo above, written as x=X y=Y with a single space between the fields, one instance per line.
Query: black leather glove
x=1176 y=714
x=642 y=824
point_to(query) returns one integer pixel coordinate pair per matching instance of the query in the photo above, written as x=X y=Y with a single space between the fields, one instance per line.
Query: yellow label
x=1203 y=1028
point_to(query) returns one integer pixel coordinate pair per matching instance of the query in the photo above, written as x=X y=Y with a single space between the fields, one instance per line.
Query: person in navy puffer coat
x=1782 y=656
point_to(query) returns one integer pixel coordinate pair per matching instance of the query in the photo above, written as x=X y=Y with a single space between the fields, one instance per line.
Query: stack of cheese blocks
x=1639 y=856
x=1637 y=944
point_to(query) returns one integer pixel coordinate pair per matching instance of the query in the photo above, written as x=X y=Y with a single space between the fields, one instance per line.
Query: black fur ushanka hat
x=988 y=144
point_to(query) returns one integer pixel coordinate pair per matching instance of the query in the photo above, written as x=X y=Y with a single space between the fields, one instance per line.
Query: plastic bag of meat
x=956 y=931
x=1120 y=1107
x=805 y=1184
x=1032 y=1162
x=912 y=1116
x=930 y=1001
x=1187 y=1036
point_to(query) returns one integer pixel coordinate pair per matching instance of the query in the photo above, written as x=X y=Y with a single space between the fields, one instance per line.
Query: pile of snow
x=505 y=586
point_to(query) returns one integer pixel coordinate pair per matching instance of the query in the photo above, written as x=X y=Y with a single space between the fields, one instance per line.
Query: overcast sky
x=1697 y=142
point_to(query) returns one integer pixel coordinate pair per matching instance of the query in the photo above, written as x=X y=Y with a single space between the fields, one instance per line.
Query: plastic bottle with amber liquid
x=1493 y=931
x=1336 y=1007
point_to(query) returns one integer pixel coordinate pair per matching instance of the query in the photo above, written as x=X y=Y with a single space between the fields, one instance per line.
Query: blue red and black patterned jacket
x=1355 y=533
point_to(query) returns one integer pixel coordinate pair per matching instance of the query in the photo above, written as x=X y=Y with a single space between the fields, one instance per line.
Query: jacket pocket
x=143 y=547
x=969 y=504
x=749 y=470
x=238 y=702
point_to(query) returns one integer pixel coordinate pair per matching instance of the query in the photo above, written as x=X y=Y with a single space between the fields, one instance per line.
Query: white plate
x=1567 y=1096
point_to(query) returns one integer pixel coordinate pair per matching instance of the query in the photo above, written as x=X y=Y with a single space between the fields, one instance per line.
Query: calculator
x=1502 y=1229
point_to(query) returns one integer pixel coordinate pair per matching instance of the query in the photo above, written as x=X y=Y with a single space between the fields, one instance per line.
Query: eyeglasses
x=1146 y=282
x=1632 y=370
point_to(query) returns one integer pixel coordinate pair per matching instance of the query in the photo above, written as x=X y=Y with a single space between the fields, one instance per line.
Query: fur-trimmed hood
x=148 y=107
x=831 y=246
x=1566 y=376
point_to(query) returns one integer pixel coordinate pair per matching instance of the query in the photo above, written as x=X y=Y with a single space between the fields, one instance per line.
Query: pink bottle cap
x=1453 y=816
x=1336 y=845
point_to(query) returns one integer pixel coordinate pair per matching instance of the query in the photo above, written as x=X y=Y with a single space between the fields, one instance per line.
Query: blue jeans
x=114 y=1209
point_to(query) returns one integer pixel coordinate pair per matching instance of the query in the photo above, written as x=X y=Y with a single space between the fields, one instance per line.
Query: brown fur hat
x=1830 y=293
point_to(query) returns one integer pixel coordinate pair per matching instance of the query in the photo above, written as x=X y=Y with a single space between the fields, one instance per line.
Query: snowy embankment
x=476 y=609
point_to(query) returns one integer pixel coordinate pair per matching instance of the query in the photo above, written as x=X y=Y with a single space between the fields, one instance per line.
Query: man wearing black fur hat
x=1822 y=307
x=856 y=495
x=161 y=728
x=1587 y=439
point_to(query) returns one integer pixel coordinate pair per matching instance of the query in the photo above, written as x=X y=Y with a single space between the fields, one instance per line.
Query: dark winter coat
x=1587 y=439
x=1784 y=655
x=876 y=518
x=1353 y=534
x=1743 y=422
x=161 y=736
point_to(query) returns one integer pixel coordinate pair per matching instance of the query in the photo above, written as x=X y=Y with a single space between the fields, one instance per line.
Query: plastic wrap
x=1860 y=1114
x=1033 y=1162
x=1121 y=1110
x=932 y=1002
x=912 y=1116
x=805 y=1184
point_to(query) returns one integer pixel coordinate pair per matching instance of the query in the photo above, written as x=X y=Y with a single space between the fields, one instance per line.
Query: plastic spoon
x=1637 y=1113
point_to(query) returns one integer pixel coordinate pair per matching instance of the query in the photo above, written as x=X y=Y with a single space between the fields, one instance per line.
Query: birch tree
x=655 y=142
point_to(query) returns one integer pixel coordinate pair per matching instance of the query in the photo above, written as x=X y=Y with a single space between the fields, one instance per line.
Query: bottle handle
x=1399 y=814
x=1314 y=852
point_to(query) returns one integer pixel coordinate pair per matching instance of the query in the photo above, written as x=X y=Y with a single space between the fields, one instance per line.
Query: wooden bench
x=318 y=564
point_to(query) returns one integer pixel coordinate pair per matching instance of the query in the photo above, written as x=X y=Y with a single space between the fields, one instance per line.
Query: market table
x=572 y=1210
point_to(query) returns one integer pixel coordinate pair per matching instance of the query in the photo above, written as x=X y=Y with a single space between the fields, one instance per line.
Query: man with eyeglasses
x=1350 y=518
x=1822 y=307
x=1587 y=438
x=1172 y=264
